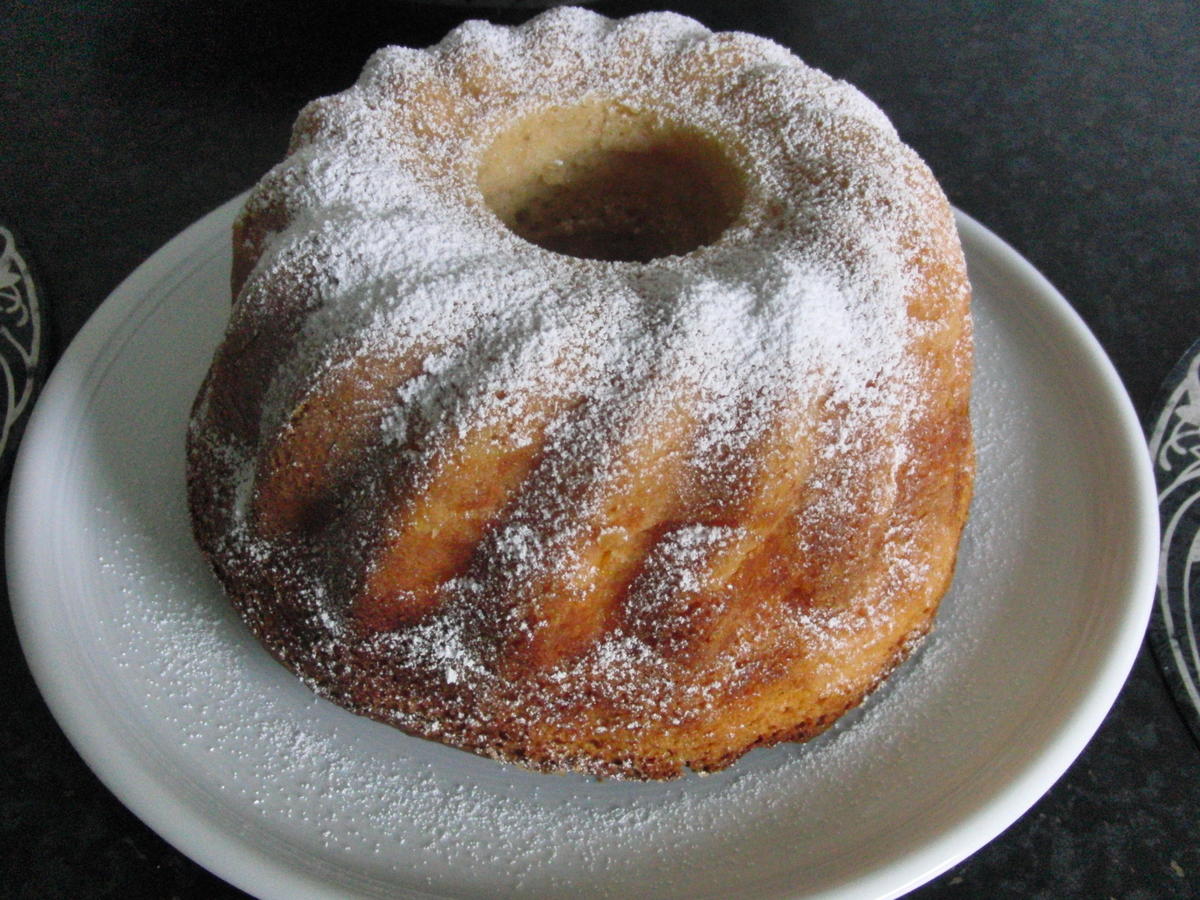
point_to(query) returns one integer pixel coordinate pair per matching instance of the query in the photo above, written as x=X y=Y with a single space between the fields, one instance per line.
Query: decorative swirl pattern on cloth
x=1175 y=449
x=21 y=338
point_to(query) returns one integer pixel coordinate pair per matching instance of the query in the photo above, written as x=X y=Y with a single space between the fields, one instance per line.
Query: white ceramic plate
x=221 y=751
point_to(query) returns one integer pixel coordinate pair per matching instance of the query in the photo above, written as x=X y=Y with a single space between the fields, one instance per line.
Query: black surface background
x=1071 y=129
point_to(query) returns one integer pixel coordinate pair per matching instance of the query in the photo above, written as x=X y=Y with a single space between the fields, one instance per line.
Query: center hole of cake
x=607 y=181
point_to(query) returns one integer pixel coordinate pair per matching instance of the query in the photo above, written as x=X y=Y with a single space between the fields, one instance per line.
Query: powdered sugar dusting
x=742 y=347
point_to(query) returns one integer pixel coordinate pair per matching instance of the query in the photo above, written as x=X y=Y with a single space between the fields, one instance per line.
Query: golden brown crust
x=571 y=582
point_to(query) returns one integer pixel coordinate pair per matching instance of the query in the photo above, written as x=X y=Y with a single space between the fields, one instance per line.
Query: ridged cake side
x=614 y=517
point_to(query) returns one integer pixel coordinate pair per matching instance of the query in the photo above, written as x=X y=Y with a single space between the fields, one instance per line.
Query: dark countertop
x=1070 y=129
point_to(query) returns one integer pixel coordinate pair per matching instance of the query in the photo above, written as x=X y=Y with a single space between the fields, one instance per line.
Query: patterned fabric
x=1175 y=449
x=22 y=338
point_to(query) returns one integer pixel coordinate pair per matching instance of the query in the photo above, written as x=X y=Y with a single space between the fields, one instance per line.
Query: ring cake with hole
x=595 y=397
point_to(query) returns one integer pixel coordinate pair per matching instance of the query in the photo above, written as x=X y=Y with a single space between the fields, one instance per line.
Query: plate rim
x=250 y=867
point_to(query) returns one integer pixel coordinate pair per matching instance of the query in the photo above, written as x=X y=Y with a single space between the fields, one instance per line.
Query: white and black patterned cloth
x=1175 y=450
x=22 y=344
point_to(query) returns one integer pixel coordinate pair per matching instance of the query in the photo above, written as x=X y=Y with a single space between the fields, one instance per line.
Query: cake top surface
x=805 y=289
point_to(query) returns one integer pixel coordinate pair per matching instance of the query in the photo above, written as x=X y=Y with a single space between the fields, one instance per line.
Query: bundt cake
x=595 y=396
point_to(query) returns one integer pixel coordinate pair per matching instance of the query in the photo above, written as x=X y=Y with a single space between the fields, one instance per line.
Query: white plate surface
x=220 y=750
